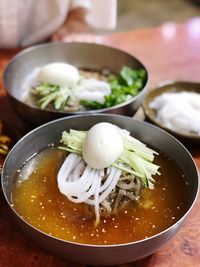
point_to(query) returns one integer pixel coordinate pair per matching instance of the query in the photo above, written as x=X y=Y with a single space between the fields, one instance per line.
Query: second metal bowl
x=81 y=55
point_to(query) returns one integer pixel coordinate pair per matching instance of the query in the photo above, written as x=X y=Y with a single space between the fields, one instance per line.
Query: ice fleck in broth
x=36 y=198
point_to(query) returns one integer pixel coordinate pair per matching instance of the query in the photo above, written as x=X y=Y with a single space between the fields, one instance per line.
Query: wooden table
x=169 y=52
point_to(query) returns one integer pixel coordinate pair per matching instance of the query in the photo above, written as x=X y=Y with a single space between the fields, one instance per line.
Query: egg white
x=103 y=145
x=59 y=73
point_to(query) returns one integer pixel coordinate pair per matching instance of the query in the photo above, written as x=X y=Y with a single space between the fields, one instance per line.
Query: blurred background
x=136 y=14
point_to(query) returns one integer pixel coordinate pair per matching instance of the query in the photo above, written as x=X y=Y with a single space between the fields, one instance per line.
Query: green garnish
x=54 y=94
x=127 y=85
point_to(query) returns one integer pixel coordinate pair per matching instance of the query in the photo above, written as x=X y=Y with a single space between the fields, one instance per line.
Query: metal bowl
x=99 y=254
x=82 y=55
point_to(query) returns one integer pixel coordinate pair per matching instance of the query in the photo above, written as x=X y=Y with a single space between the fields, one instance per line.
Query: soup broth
x=36 y=197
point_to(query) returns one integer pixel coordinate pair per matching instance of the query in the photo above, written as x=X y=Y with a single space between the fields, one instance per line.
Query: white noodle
x=107 y=181
x=82 y=184
x=116 y=173
x=114 y=176
x=78 y=171
x=86 y=187
x=87 y=194
x=71 y=161
x=96 y=198
x=69 y=188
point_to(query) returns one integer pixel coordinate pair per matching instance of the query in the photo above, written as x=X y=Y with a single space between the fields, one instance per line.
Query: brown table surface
x=170 y=52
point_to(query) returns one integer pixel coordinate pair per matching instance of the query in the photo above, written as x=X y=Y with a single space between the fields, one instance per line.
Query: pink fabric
x=25 y=22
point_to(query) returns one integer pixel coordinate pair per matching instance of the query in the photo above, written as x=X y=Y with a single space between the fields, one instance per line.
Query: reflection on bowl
x=171 y=87
x=40 y=138
x=83 y=56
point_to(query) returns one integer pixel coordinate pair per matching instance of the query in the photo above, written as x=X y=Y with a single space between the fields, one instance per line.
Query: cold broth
x=37 y=199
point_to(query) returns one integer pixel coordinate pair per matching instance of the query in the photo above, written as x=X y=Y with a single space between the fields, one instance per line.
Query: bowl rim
x=96 y=245
x=146 y=107
x=53 y=111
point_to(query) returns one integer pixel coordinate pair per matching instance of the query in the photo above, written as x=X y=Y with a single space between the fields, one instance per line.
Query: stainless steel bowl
x=82 y=55
x=96 y=254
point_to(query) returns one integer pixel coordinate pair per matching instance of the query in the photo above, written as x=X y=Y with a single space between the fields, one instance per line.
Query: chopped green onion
x=52 y=94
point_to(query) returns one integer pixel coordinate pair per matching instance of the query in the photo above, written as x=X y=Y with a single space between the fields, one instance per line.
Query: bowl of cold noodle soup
x=49 y=81
x=100 y=189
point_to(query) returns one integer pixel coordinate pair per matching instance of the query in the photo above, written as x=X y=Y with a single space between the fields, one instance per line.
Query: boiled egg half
x=103 y=145
x=62 y=74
